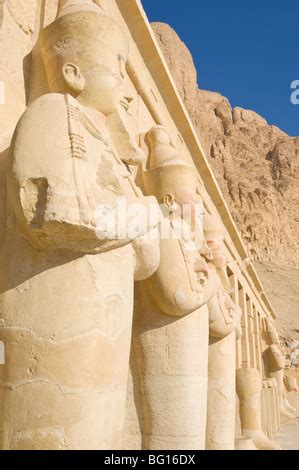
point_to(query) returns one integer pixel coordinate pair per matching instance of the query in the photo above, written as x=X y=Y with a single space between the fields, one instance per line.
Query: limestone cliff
x=256 y=165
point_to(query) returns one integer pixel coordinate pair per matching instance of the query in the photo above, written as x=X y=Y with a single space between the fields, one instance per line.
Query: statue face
x=187 y=205
x=105 y=89
x=100 y=87
x=191 y=204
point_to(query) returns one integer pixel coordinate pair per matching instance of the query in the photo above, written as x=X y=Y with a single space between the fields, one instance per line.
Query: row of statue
x=113 y=341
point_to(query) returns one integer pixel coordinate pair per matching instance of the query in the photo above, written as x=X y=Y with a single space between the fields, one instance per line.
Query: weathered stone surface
x=67 y=336
x=66 y=292
x=23 y=13
x=256 y=165
x=180 y=62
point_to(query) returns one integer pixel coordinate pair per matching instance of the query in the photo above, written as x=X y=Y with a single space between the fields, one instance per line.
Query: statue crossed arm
x=61 y=287
x=54 y=194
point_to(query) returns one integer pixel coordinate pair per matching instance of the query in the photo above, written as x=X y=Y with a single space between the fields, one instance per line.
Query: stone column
x=291 y=399
x=264 y=408
x=274 y=361
x=278 y=376
x=66 y=290
x=235 y=297
x=245 y=332
x=172 y=359
x=221 y=393
x=271 y=393
x=224 y=319
x=251 y=333
x=276 y=405
x=249 y=391
x=256 y=329
x=169 y=359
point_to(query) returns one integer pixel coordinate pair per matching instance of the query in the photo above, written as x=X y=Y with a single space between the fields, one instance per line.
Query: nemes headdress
x=167 y=171
x=82 y=34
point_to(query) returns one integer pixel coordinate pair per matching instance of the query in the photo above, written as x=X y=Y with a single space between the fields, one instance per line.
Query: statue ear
x=169 y=202
x=73 y=77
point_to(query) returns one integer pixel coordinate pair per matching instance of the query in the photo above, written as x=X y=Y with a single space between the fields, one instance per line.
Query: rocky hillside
x=256 y=165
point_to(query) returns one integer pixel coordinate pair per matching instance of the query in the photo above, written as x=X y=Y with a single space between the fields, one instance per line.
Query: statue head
x=85 y=54
x=214 y=236
x=272 y=336
x=174 y=182
x=174 y=179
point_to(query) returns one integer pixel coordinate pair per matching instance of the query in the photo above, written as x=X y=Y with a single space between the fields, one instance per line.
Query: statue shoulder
x=44 y=109
x=42 y=135
x=43 y=119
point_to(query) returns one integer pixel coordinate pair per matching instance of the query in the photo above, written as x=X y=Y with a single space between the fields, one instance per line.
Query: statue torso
x=78 y=181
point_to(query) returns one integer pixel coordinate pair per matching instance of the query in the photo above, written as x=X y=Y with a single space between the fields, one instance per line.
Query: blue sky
x=249 y=52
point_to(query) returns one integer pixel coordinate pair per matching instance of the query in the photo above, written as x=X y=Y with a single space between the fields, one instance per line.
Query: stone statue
x=170 y=332
x=274 y=360
x=225 y=328
x=66 y=289
x=249 y=387
x=290 y=388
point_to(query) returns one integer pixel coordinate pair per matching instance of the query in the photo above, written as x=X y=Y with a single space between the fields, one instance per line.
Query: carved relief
x=224 y=329
x=275 y=363
x=249 y=386
x=169 y=346
x=63 y=165
x=23 y=13
x=67 y=292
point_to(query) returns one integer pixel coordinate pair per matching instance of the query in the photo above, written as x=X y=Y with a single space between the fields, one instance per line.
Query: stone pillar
x=236 y=299
x=291 y=397
x=271 y=393
x=172 y=373
x=224 y=319
x=274 y=361
x=245 y=332
x=264 y=408
x=278 y=376
x=256 y=329
x=276 y=405
x=169 y=359
x=66 y=292
x=221 y=393
x=249 y=391
x=251 y=333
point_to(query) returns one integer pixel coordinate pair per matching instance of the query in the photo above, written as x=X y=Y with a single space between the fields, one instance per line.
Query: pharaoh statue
x=274 y=360
x=224 y=329
x=170 y=330
x=66 y=288
x=290 y=389
x=249 y=390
